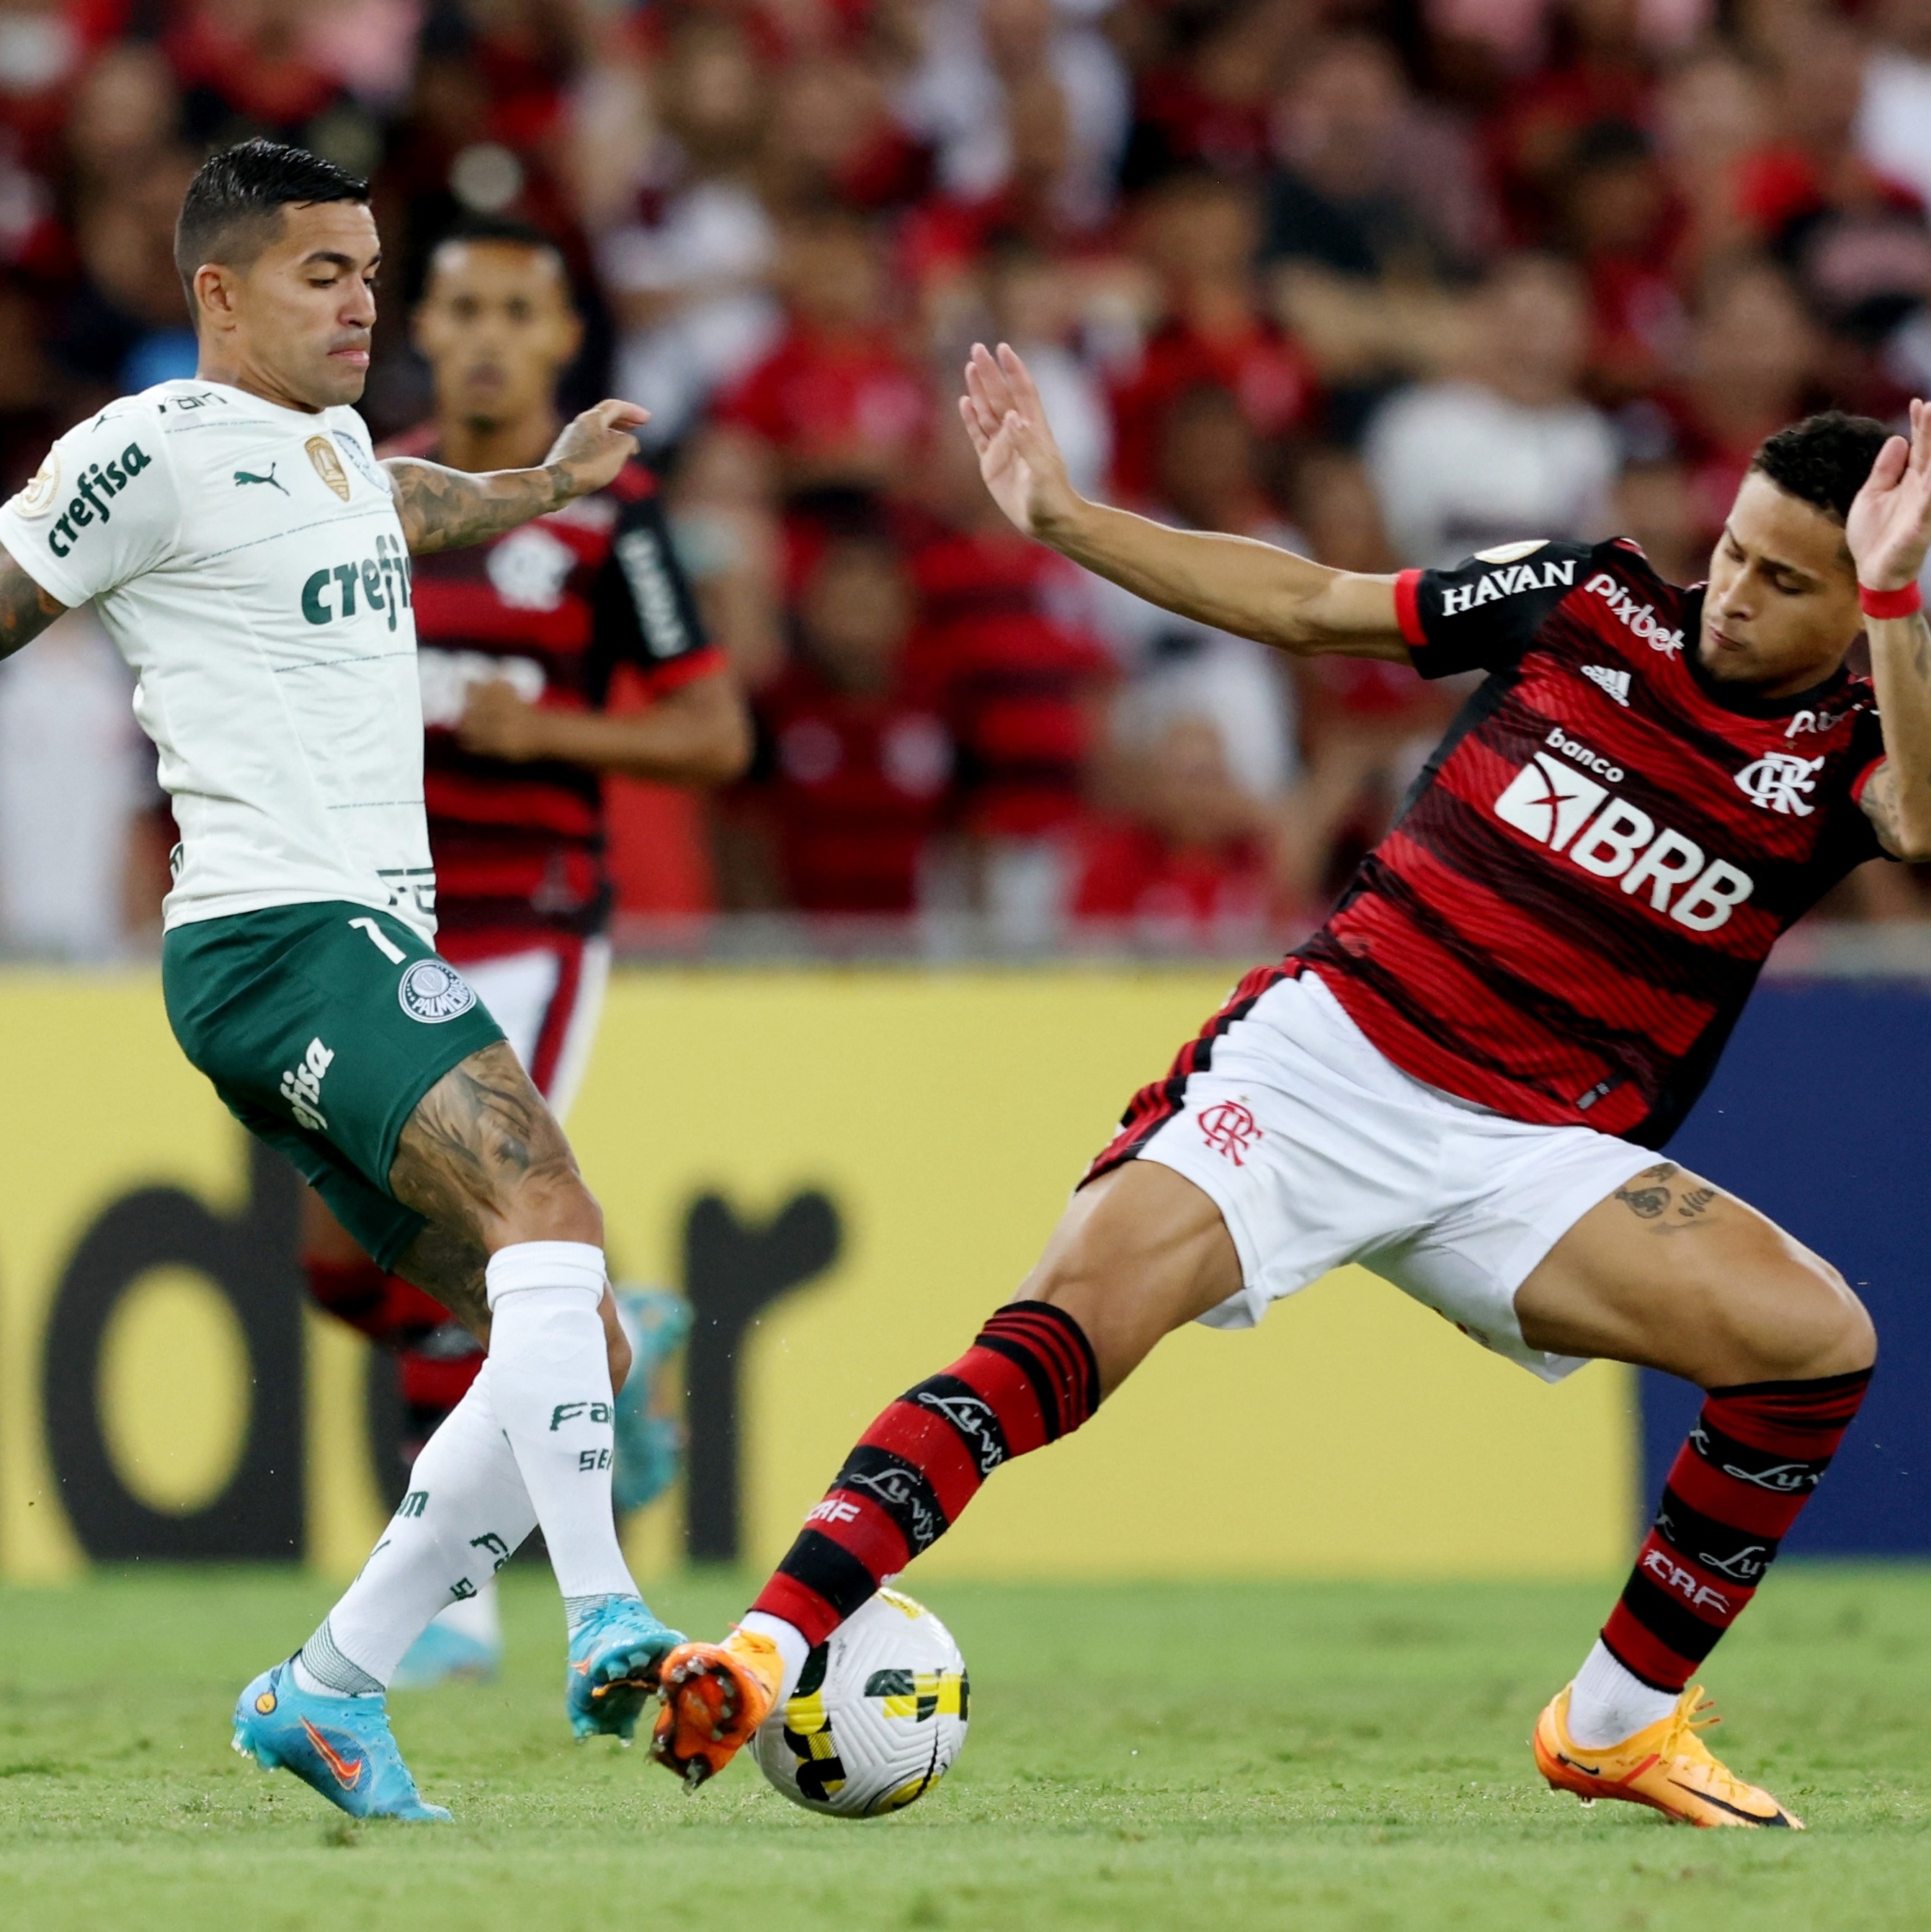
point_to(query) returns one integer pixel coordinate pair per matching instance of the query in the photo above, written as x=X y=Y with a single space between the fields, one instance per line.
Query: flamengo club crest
x=1776 y=780
x=1230 y=1129
x=432 y=991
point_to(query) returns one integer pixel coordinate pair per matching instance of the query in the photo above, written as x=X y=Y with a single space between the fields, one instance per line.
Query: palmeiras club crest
x=432 y=991
x=1230 y=1129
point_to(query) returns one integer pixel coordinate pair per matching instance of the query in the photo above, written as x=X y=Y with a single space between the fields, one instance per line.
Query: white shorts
x=547 y=999
x=1318 y=1150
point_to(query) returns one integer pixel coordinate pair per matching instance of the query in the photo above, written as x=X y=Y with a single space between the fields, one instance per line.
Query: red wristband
x=1905 y=603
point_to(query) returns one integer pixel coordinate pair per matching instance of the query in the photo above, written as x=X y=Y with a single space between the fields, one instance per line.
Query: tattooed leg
x=1740 y=1302
x=515 y=1243
x=485 y=1161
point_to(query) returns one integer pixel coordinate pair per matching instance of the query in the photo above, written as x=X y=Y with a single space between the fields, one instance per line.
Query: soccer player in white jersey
x=250 y=558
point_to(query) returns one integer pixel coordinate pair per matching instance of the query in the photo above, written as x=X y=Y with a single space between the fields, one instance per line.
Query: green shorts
x=321 y=1027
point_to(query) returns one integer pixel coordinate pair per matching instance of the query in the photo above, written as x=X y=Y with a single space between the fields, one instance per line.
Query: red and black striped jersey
x=554 y=608
x=1568 y=916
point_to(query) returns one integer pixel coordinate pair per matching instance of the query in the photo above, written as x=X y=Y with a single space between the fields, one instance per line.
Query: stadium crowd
x=1387 y=281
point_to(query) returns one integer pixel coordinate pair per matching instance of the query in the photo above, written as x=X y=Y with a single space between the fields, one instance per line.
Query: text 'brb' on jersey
x=1570 y=912
x=247 y=561
x=552 y=609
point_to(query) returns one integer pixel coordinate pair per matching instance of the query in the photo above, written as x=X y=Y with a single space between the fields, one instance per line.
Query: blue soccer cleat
x=341 y=1746
x=614 y=1656
x=650 y=1439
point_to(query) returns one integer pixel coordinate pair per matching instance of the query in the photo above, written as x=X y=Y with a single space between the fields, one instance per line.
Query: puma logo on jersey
x=1493 y=585
x=1639 y=620
x=96 y=486
x=1615 y=682
x=303 y=1088
x=1558 y=806
x=242 y=476
x=1774 y=781
x=382 y=580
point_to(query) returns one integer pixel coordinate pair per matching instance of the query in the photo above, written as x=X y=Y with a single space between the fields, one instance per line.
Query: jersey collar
x=1730 y=697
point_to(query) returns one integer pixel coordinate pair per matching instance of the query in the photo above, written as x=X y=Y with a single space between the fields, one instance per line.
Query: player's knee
x=1807 y=1324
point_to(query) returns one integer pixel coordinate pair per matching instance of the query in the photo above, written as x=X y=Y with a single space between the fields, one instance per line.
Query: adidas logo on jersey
x=1615 y=682
x=1640 y=620
x=1558 y=806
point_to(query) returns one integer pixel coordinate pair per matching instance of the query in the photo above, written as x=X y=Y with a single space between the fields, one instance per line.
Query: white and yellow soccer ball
x=878 y=1715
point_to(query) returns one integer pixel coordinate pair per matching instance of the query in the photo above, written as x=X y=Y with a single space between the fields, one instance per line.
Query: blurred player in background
x=519 y=642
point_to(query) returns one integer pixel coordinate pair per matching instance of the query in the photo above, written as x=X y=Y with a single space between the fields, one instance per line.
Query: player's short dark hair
x=233 y=207
x=1824 y=460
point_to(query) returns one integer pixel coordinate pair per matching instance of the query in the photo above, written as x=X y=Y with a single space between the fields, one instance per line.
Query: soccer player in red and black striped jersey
x=519 y=642
x=1461 y=1081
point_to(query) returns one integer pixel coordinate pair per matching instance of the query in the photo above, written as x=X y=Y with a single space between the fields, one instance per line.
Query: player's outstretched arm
x=1233 y=584
x=444 y=509
x=1888 y=529
x=25 y=609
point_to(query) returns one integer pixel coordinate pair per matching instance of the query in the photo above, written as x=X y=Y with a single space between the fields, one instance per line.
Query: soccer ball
x=878 y=1717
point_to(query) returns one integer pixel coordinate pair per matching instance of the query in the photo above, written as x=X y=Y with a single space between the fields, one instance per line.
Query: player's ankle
x=1608 y=1703
x=790 y=1642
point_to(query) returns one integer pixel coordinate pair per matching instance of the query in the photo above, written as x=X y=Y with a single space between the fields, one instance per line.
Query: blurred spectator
x=1367 y=185
x=1714 y=119
x=1207 y=91
x=1616 y=223
x=74 y=770
x=1894 y=114
x=1191 y=864
x=1367 y=725
x=836 y=399
x=126 y=326
x=1199 y=232
x=690 y=277
x=1750 y=368
x=853 y=771
x=1511 y=451
x=964 y=99
x=730 y=543
x=1032 y=299
x=1655 y=504
x=1206 y=480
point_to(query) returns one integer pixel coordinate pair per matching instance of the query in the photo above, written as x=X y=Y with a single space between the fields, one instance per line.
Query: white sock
x=478 y=1618
x=466 y=1512
x=790 y=1643
x=1608 y=1704
x=550 y=1369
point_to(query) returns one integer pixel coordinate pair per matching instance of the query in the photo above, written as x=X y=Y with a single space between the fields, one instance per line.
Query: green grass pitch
x=1166 y=1755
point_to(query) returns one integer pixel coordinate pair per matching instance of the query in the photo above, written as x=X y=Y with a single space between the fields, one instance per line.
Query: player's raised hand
x=1024 y=471
x=1889 y=527
x=596 y=444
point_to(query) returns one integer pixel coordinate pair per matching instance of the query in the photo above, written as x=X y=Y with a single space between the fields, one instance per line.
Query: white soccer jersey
x=248 y=562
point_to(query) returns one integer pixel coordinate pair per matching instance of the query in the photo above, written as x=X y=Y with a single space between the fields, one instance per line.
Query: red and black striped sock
x=1757 y=1451
x=1029 y=1379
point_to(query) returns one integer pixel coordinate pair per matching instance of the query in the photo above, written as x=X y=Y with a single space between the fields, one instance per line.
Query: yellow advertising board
x=846 y=1170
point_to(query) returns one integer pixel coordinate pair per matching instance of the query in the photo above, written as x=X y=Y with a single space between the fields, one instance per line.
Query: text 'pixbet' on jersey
x=384 y=581
x=96 y=484
x=1560 y=806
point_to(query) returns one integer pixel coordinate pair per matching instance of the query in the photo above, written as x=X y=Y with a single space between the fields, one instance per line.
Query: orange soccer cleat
x=716 y=1695
x=1667 y=1766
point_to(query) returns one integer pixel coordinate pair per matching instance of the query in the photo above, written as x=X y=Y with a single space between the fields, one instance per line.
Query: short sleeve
x=1483 y=613
x=645 y=613
x=100 y=510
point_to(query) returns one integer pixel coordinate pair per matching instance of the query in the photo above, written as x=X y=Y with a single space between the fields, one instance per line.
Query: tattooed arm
x=25 y=609
x=1888 y=530
x=444 y=509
